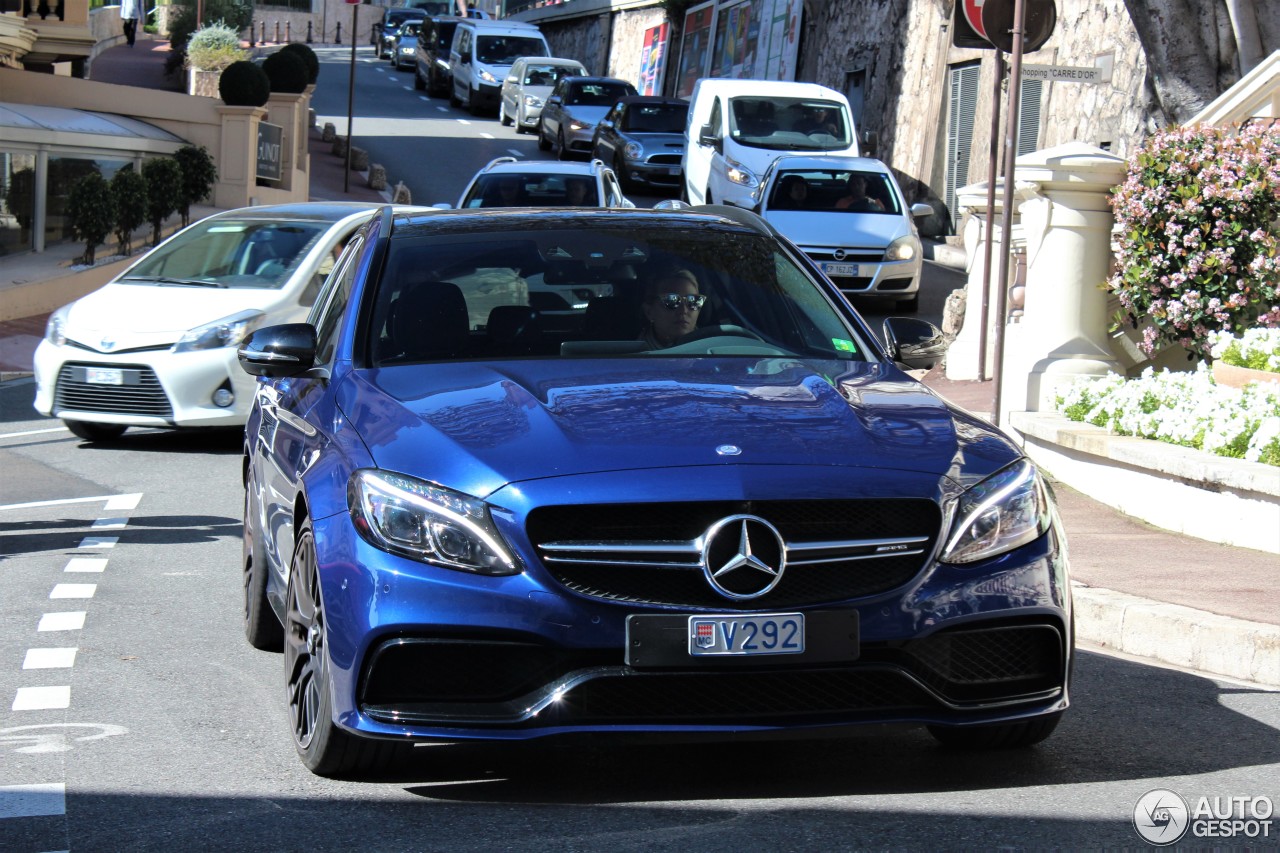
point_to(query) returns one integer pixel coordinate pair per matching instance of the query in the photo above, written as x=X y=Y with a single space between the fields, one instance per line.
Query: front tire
x=472 y=106
x=325 y=749
x=562 y=152
x=1018 y=735
x=454 y=100
x=544 y=144
x=90 y=431
x=418 y=82
x=503 y=117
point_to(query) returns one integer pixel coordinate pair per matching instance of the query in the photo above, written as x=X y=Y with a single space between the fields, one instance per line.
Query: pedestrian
x=130 y=11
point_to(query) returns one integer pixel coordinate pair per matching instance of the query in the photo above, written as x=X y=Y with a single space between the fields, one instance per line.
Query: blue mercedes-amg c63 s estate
x=705 y=499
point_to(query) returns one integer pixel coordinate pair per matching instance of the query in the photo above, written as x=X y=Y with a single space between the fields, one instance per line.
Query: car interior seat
x=429 y=321
x=513 y=330
x=611 y=318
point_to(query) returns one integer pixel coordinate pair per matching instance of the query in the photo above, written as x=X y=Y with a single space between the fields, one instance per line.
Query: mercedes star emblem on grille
x=743 y=556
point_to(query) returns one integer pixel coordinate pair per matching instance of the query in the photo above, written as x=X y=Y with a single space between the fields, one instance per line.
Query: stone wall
x=584 y=39
x=628 y=42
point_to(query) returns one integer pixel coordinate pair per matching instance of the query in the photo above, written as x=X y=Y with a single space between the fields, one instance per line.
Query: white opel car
x=849 y=215
x=156 y=346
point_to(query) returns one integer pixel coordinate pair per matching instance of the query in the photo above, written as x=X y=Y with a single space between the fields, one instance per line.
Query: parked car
x=465 y=520
x=432 y=69
x=482 y=54
x=737 y=128
x=391 y=30
x=391 y=18
x=508 y=182
x=528 y=86
x=643 y=139
x=576 y=105
x=405 y=52
x=155 y=346
x=849 y=215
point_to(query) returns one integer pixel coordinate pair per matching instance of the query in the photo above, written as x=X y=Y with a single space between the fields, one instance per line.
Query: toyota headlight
x=533 y=102
x=55 y=330
x=904 y=248
x=227 y=332
x=427 y=523
x=741 y=175
x=633 y=151
x=487 y=77
x=1003 y=512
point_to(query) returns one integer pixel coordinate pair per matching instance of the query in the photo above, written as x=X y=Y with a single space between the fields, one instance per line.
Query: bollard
x=377 y=176
x=288 y=31
x=308 y=32
x=253 y=32
x=338 y=40
x=262 y=32
x=359 y=159
x=277 y=32
x=329 y=133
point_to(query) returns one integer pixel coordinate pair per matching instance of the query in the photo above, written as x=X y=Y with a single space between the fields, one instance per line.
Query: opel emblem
x=743 y=557
x=839 y=254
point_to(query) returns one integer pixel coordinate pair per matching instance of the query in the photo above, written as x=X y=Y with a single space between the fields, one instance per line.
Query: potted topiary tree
x=198 y=175
x=91 y=211
x=244 y=84
x=308 y=56
x=287 y=72
x=164 y=191
x=129 y=189
x=211 y=49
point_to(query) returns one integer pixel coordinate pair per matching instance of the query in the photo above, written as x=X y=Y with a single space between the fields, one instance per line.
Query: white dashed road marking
x=86 y=564
x=73 y=590
x=99 y=542
x=462 y=121
x=109 y=523
x=33 y=800
x=50 y=658
x=42 y=698
x=68 y=621
x=515 y=152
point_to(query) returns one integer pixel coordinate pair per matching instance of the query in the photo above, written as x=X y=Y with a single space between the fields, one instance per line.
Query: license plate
x=760 y=634
x=846 y=270
x=104 y=376
x=673 y=170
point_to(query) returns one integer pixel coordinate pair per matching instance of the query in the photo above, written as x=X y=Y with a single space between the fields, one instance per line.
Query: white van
x=481 y=55
x=737 y=128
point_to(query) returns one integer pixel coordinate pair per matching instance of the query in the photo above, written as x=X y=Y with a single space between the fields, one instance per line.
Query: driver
x=671 y=305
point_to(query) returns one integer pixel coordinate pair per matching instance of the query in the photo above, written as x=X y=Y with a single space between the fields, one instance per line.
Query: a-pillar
x=237 y=156
x=1067 y=224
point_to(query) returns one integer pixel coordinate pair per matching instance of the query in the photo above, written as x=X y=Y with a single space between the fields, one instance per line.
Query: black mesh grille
x=665 y=159
x=969 y=665
x=797 y=521
x=852 y=256
x=141 y=393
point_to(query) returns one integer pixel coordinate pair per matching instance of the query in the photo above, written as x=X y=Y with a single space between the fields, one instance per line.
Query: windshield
x=234 y=253
x=686 y=291
x=597 y=94
x=504 y=50
x=549 y=75
x=840 y=190
x=444 y=34
x=790 y=124
x=655 y=118
x=435 y=7
x=510 y=189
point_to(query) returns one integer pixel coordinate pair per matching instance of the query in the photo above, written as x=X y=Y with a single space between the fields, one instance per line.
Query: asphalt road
x=134 y=716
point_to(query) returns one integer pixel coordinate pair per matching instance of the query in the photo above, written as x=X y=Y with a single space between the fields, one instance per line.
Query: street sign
x=270 y=151
x=962 y=32
x=1062 y=73
x=1039 y=17
x=973 y=15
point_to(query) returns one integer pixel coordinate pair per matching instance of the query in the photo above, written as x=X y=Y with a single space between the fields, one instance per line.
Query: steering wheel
x=719 y=330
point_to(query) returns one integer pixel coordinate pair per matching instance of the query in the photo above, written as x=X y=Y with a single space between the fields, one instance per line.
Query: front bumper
x=426 y=654
x=655 y=174
x=578 y=141
x=864 y=271
x=159 y=387
x=488 y=95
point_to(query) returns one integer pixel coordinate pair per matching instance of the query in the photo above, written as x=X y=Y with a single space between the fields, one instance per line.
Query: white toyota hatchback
x=156 y=346
x=849 y=215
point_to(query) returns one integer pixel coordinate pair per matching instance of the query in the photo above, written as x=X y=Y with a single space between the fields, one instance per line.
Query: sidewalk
x=1138 y=589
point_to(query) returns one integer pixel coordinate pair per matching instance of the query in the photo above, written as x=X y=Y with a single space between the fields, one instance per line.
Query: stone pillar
x=237 y=156
x=962 y=356
x=1067 y=225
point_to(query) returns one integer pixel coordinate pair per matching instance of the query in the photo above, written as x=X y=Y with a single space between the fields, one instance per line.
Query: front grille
x=851 y=256
x=651 y=553
x=850 y=284
x=141 y=393
x=980 y=664
x=665 y=159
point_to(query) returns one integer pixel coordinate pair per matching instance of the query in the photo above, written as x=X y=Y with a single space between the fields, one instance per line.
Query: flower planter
x=1238 y=377
x=203 y=83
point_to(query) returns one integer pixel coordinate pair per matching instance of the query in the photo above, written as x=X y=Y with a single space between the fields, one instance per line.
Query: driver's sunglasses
x=673 y=301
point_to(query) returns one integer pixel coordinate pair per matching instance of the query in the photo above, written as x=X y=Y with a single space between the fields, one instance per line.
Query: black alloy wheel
x=562 y=151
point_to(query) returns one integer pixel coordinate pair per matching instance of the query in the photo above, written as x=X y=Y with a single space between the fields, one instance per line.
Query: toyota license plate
x=760 y=634
x=104 y=376
x=844 y=270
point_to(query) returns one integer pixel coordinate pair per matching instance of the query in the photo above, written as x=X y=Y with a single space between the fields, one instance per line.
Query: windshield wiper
x=164 y=279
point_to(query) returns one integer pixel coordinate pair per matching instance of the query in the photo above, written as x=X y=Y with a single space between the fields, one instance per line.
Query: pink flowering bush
x=1198 y=239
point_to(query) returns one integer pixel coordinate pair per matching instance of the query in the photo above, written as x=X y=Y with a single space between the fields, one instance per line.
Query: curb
x=1182 y=636
x=945 y=254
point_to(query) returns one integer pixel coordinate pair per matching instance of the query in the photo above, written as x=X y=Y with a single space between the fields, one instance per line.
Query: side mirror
x=921 y=209
x=275 y=351
x=554 y=99
x=707 y=136
x=916 y=343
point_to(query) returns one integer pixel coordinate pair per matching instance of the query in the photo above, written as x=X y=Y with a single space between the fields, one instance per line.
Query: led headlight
x=904 y=248
x=739 y=174
x=55 y=330
x=407 y=51
x=227 y=332
x=633 y=151
x=442 y=64
x=533 y=102
x=1003 y=512
x=487 y=77
x=427 y=523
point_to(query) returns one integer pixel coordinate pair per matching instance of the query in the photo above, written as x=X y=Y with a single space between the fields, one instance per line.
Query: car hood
x=478 y=426
x=817 y=228
x=593 y=115
x=541 y=92
x=138 y=315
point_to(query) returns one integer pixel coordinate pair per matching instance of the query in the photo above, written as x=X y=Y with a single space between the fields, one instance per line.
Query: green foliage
x=214 y=47
x=287 y=72
x=91 y=212
x=234 y=14
x=308 y=56
x=129 y=189
x=20 y=198
x=164 y=191
x=198 y=175
x=244 y=84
